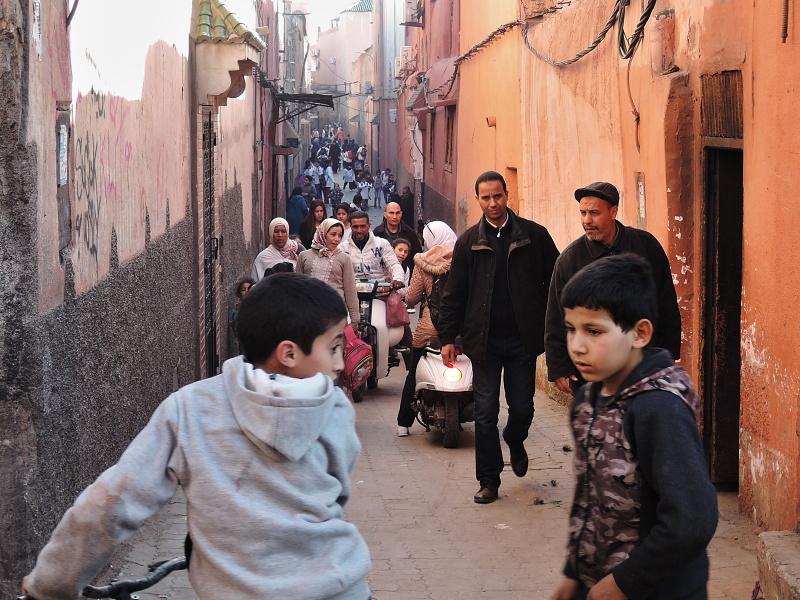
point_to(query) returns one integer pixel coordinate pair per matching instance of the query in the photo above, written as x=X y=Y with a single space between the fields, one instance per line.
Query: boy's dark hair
x=286 y=306
x=490 y=176
x=621 y=284
x=399 y=241
x=281 y=267
x=358 y=214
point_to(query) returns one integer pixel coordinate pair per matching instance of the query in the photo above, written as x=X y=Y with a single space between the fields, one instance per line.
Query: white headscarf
x=274 y=223
x=438 y=233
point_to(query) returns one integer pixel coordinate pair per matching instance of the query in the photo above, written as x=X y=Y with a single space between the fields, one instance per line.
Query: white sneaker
x=402 y=431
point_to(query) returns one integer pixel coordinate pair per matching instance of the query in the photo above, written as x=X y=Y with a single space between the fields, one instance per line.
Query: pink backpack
x=358 y=362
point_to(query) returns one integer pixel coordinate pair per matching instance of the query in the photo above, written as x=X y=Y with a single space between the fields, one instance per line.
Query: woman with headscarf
x=281 y=249
x=431 y=268
x=327 y=262
x=316 y=214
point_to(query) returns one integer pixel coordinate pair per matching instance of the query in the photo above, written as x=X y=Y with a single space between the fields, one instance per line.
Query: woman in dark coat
x=316 y=215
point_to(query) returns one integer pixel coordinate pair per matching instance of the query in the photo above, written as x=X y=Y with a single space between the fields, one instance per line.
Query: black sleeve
x=668 y=327
x=664 y=437
x=454 y=298
x=558 y=361
x=416 y=248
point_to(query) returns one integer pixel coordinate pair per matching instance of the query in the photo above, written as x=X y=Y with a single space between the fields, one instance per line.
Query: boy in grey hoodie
x=263 y=452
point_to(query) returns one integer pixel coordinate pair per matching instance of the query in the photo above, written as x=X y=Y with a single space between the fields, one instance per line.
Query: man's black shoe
x=519 y=460
x=486 y=495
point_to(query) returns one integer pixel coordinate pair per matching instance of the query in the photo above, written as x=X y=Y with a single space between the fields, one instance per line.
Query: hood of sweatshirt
x=435 y=261
x=278 y=412
x=658 y=371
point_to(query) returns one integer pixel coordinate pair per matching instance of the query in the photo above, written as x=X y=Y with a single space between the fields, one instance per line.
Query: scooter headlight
x=453 y=375
x=364 y=287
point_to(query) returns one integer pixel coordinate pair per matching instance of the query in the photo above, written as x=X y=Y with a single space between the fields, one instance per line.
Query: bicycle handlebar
x=122 y=589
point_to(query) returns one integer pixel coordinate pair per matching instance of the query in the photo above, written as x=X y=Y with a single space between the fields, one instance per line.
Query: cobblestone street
x=412 y=501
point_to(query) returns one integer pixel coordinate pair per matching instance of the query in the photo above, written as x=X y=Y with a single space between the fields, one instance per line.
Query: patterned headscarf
x=320 y=235
x=291 y=247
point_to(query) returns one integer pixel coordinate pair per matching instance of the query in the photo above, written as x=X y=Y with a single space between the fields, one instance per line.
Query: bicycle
x=123 y=590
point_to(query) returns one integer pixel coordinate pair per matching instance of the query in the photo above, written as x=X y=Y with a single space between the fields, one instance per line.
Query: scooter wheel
x=452 y=425
x=372 y=380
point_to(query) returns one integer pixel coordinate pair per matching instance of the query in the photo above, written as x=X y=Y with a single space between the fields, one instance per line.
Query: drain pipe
x=785 y=21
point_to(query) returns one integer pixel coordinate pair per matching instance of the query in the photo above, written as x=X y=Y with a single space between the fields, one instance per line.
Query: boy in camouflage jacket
x=644 y=509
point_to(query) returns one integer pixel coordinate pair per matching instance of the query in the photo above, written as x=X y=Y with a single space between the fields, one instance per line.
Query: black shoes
x=519 y=460
x=486 y=495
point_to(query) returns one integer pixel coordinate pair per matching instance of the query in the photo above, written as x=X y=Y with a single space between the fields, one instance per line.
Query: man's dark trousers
x=518 y=367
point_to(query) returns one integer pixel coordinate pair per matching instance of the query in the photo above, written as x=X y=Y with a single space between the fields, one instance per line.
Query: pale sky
x=109 y=51
x=321 y=13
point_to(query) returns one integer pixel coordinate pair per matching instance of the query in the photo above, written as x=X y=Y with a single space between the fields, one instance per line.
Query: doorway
x=724 y=202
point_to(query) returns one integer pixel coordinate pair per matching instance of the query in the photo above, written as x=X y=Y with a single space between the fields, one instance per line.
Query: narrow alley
x=412 y=501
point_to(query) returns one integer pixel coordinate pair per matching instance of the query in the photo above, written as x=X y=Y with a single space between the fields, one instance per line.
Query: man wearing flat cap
x=606 y=236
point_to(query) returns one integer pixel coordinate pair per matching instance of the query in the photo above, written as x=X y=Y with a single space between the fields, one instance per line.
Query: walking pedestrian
x=336 y=194
x=644 y=509
x=316 y=215
x=393 y=228
x=432 y=271
x=242 y=288
x=308 y=190
x=342 y=213
x=349 y=178
x=605 y=236
x=296 y=211
x=495 y=299
x=281 y=249
x=263 y=453
x=325 y=261
x=329 y=183
x=406 y=202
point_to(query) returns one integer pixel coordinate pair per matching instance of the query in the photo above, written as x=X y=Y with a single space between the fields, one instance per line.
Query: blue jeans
x=518 y=367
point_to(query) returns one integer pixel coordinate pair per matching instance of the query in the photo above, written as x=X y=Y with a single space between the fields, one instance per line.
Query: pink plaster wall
x=49 y=81
x=131 y=159
x=236 y=141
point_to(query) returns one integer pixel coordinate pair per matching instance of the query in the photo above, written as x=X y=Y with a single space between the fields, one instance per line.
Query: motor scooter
x=373 y=328
x=443 y=395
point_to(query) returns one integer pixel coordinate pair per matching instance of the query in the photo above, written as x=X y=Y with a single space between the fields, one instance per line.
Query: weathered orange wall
x=770 y=450
x=579 y=128
x=490 y=86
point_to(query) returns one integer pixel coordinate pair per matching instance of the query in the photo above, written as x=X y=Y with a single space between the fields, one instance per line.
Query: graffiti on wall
x=128 y=158
x=98 y=150
x=87 y=193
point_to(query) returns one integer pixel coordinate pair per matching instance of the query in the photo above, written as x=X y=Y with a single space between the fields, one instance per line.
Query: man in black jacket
x=606 y=236
x=495 y=298
x=393 y=227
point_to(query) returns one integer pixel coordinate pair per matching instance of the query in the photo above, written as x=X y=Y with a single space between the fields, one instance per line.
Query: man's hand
x=396 y=285
x=566 y=590
x=25 y=585
x=562 y=383
x=449 y=354
x=606 y=589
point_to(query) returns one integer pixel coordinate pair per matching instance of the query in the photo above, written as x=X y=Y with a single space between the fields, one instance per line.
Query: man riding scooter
x=374 y=259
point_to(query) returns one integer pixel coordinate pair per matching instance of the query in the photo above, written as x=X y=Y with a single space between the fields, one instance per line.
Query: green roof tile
x=215 y=23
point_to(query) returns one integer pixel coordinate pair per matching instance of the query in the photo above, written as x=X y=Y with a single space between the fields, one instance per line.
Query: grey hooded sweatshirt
x=265 y=464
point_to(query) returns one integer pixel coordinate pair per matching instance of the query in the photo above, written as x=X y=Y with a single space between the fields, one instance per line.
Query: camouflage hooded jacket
x=605 y=520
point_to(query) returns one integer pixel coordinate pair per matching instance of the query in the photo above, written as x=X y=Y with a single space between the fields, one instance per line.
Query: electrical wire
x=627 y=46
